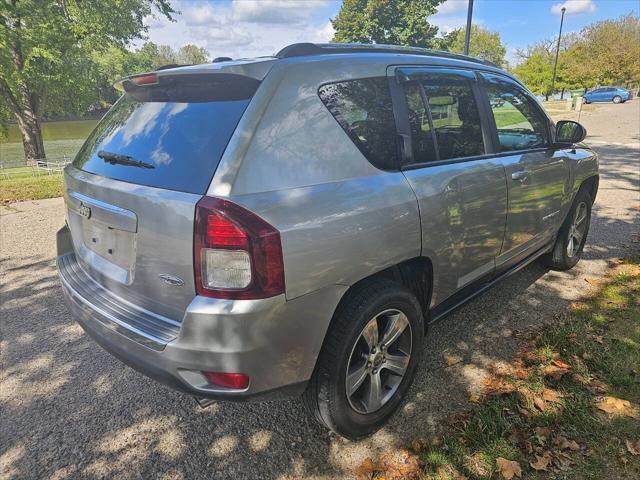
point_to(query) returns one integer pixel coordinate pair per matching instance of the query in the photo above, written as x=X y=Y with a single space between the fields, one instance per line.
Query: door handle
x=520 y=176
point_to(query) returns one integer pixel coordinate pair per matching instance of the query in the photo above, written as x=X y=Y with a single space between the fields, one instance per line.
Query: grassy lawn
x=17 y=189
x=566 y=408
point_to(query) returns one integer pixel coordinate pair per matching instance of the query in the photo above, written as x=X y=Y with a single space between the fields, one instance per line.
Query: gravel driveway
x=70 y=410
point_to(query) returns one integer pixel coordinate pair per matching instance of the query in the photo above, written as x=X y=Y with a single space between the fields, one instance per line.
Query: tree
x=45 y=54
x=604 y=53
x=398 y=22
x=483 y=44
x=191 y=55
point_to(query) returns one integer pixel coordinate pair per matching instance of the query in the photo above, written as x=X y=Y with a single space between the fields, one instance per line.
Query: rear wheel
x=572 y=236
x=368 y=360
x=617 y=99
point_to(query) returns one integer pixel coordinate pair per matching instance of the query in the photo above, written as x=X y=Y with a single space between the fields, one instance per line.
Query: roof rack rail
x=306 y=49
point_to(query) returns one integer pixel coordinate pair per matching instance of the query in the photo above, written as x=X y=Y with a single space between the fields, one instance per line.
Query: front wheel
x=617 y=99
x=572 y=236
x=368 y=360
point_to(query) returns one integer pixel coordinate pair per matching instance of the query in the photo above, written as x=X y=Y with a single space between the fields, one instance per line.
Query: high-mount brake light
x=147 y=79
x=237 y=255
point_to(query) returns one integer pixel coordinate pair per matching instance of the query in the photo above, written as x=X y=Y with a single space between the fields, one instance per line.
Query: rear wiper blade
x=115 y=158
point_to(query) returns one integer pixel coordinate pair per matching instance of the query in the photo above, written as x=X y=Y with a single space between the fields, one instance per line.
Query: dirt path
x=70 y=410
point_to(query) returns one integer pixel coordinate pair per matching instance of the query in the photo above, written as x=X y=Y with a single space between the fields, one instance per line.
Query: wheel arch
x=416 y=274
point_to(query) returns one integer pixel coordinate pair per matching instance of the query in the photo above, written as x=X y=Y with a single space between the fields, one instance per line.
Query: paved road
x=70 y=410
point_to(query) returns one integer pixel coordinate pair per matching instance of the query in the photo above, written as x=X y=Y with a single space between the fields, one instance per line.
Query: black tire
x=326 y=395
x=617 y=99
x=559 y=258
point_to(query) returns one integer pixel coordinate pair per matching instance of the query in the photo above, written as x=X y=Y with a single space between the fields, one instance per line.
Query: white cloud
x=245 y=28
x=274 y=11
x=574 y=6
x=452 y=6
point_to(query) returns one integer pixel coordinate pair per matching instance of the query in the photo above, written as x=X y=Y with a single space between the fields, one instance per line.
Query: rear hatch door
x=132 y=189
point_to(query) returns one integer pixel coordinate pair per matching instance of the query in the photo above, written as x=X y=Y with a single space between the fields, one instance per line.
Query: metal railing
x=43 y=166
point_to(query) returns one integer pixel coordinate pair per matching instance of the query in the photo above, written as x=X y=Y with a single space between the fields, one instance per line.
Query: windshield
x=166 y=144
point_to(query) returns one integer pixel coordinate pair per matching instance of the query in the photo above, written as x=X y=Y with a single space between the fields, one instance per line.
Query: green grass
x=30 y=188
x=13 y=153
x=504 y=423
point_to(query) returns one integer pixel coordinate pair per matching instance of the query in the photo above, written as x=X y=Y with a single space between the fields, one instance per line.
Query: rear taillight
x=236 y=253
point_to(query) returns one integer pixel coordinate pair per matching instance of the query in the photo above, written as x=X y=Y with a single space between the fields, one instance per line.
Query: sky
x=247 y=28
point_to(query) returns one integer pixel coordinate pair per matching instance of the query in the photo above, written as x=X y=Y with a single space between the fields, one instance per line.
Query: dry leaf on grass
x=561 y=364
x=618 y=406
x=540 y=404
x=451 y=360
x=552 y=395
x=555 y=372
x=633 y=447
x=508 y=468
x=563 y=443
x=397 y=465
x=598 y=338
x=542 y=461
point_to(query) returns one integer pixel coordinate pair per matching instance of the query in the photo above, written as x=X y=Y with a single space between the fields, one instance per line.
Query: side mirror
x=570 y=132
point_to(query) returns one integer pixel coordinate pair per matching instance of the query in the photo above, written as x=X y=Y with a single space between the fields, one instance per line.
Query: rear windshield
x=170 y=140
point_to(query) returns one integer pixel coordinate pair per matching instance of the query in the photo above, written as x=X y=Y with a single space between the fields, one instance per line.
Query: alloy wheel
x=577 y=229
x=378 y=361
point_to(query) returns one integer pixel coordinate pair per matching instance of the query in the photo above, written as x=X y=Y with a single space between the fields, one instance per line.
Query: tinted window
x=180 y=142
x=519 y=121
x=421 y=135
x=363 y=109
x=456 y=119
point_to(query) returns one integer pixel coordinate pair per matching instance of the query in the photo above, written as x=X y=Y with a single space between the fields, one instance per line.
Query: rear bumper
x=274 y=341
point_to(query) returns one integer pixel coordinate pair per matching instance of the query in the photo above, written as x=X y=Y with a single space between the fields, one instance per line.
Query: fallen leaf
x=618 y=406
x=508 y=468
x=540 y=403
x=397 y=465
x=599 y=339
x=551 y=395
x=542 y=461
x=366 y=470
x=587 y=356
x=474 y=398
x=555 y=372
x=477 y=465
x=561 y=364
x=543 y=432
x=449 y=471
x=563 y=443
x=451 y=360
x=562 y=460
x=633 y=447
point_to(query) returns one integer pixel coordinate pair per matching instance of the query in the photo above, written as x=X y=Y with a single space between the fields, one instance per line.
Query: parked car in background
x=290 y=225
x=608 y=94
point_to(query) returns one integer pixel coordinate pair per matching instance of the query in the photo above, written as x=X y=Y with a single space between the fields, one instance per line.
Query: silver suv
x=290 y=225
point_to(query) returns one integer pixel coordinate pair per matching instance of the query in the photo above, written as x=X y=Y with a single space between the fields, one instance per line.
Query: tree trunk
x=31 y=135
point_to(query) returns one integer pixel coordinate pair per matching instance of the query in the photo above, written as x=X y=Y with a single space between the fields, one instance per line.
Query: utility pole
x=467 y=36
x=555 y=64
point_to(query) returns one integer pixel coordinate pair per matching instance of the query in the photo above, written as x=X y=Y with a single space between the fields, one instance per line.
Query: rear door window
x=168 y=136
x=520 y=124
x=364 y=110
x=444 y=117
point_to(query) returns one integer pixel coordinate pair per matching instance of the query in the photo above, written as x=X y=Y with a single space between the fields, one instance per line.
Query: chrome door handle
x=520 y=176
